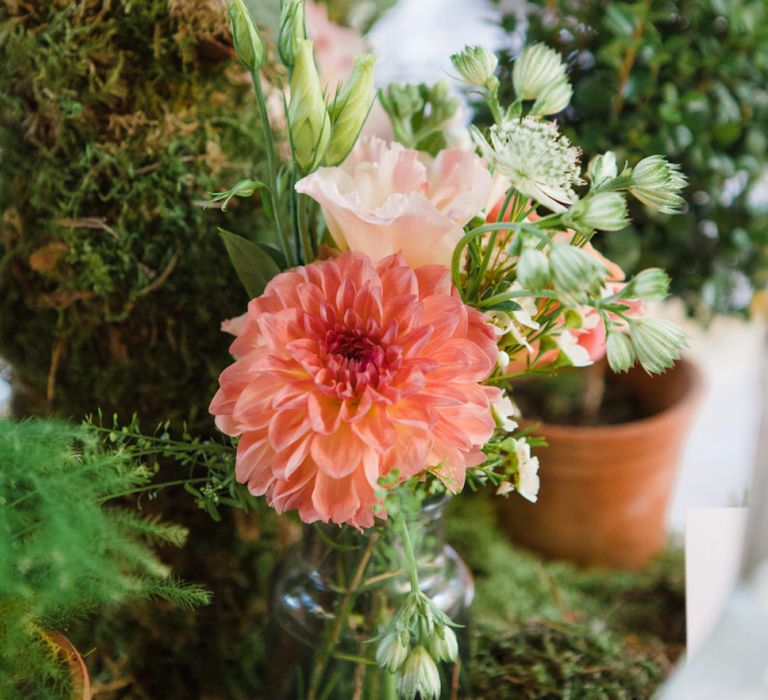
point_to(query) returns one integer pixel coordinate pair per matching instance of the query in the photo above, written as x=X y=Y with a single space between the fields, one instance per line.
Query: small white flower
x=602 y=168
x=536 y=158
x=553 y=99
x=392 y=651
x=505 y=488
x=575 y=353
x=475 y=64
x=606 y=211
x=528 y=481
x=537 y=67
x=444 y=645
x=657 y=183
x=504 y=409
x=419 y=676
x=500 y=322
x=503 y=359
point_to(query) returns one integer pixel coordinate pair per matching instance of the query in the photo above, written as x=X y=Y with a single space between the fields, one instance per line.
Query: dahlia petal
x=324 y=413
x=375 y=430
x=285 y=427
x=338 y=454
x=285 y=463
x=335 y=499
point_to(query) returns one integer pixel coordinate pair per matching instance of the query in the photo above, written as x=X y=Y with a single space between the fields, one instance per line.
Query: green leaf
x=254 y=266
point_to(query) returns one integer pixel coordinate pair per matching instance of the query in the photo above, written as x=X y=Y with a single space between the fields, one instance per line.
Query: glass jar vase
x=336 y=590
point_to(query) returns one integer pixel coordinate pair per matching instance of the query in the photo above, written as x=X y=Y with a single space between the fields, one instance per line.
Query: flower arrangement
x=399 y=295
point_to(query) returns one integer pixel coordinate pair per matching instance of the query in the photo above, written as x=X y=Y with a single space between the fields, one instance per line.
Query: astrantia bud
x=350 y=110
x=574 y=271
x=249 y=46
x=657 y=343
x=606 y=211
x=536 y=68
x=652 y=283
x=444 y=645
x=292 y=29
x=602 y=168
x=392 y=652
x=419 y=676
x=553 y=98
x=475 y=64
x=658 y=183
x=308 y=121
x=533 y=269
x=621 y=354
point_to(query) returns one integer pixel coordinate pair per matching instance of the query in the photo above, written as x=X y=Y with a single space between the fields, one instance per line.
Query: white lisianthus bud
x=444 y=646
x=657 y=343
x=350 y=110
x=475 y=65
x=652 y=283
x=606 y=211
x=249 y=46
x=292 y=28
x=392 y=652
x=657 y=183
x=533 y=269
x=308 y=121
x=553 y=98
x=419 y=676
x=573 y=270
x=602 y=168
x=536 y=68
x=621 y=354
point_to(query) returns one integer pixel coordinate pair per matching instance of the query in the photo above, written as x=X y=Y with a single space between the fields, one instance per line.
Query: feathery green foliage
x=65 y=551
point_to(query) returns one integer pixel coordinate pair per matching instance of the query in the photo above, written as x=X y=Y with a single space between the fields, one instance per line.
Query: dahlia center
x=356 y=357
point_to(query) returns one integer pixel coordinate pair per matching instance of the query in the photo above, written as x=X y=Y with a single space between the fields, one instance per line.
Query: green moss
x=114 y=121
x=545 y=629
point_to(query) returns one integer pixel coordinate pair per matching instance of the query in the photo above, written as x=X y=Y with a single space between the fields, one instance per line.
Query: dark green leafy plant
x=65 y=551
x=115 y=120
x=685 y=78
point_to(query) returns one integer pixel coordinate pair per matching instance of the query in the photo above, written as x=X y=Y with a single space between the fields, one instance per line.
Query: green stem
x=340 y=619
x=410 y=558
x=154 y=487
x=271 y=165
x=307 y=246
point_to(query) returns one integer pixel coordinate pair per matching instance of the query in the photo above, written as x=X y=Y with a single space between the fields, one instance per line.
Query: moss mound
x=115 y=119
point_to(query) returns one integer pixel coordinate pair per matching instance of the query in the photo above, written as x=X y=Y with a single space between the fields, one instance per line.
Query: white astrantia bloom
x=657 y=183
x=527 y=480
x=538 y=160
x=553 y=99
x=536 y=68
x=419 y=676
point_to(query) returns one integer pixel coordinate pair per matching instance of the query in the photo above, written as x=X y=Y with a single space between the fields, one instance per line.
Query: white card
x=714 y=539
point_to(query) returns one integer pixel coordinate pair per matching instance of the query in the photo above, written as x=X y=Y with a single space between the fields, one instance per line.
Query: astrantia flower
x=537 y=159
x=346 y=371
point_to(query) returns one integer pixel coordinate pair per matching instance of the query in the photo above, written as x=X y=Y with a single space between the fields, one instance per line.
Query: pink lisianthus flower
x=386 y=199
x=347 y=370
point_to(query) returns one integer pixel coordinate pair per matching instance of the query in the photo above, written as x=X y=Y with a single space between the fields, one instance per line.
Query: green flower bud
x=575 y=272
x=536 y=68
x=657 y=343
x=533 y=269
x=249 y=46
x=553 y=98
x=419 y=677
x=606 y=211
x=652 y=283
x=602 y=168
x=475 y=65
x=657 y=183
x=443 y=645
x=350 y=110
x=621 y=354
x=392 y=651
x=292 y=29
x=309 y=125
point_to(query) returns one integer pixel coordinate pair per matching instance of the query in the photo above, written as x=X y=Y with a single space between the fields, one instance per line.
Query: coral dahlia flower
x=347 y=370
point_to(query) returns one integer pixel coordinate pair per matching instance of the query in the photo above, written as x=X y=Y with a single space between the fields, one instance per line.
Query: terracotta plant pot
x=69 y=655
x=605 y=489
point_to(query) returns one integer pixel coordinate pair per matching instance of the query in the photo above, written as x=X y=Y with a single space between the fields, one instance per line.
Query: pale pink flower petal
x=386 y=199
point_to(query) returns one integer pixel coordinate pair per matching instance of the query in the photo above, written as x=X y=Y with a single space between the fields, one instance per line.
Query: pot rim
x=690 y=398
